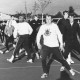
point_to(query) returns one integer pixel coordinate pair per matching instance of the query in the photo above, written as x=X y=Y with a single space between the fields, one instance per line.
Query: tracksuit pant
x=22 y=41
x=1 y=37
x=8 y=40
x=69 y=47
x=46 y=53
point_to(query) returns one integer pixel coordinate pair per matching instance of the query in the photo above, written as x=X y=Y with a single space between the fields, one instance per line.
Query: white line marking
x=32 y=67
x=57 y=65
x=26 y=67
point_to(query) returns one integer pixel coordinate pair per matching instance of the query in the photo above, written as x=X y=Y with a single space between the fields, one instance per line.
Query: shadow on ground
x=64 y=76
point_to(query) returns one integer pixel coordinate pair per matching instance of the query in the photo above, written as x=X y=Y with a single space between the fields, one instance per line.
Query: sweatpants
x=69 y=47
x=56 y=54
x=23 y=40
x=8 y=40
x=1 y=37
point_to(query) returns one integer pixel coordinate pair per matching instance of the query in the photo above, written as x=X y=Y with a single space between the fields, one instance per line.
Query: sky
x=14 y=6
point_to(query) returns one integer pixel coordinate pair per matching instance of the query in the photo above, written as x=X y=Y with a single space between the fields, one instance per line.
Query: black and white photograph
x=39 y=39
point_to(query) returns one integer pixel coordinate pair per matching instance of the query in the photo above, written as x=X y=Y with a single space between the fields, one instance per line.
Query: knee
x=43 y=59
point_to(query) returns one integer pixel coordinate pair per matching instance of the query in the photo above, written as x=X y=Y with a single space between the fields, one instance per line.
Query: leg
x=11 y=39
x=7 y=42
x=8 y=39
x=68 y=48
x=76 y=47
x=60 y=58
x=48 y=64
x=73 y=54
x=76 y=50
x=1 y=37
x=45 y=51
x=18 y=46
x=26 y=45
x=69 y=59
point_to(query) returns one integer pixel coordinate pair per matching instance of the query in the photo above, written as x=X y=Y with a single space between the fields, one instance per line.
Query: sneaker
x=37 y=55
x=44 y=75
x=1 y=52
x=6 y=51
x=14 y=45
x=40 y=56
x=62 y=68
x=21 y=50
x=11 y=59
x=30 y=61
x=68 y=61
x=72 y=62
x=3 y=44
x=17 y=56
x=72 y=72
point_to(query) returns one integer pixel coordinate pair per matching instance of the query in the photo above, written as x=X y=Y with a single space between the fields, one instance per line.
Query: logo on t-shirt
x=47 y=32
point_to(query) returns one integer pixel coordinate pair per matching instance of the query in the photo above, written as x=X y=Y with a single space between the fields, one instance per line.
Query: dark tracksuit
x=55 y=54
x=50 y=52
x=2 y=30
x=23 y=41
x=71 y=41
x=1 y=34
x=62 y=24
x=69 y=36
x=24 y=30
x=35 y=25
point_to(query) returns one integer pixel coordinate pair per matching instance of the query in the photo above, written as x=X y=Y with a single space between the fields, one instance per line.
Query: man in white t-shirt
x=23 y=29
x=51 y=39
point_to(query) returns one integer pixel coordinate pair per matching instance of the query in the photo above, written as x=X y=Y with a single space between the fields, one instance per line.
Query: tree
x=26 y=9
x=43 y=5
x=71 y=9
x=58 y=15
x=35 y=7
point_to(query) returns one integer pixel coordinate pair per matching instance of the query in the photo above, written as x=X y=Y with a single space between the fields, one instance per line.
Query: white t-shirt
x=22 y=29
x=51 y=35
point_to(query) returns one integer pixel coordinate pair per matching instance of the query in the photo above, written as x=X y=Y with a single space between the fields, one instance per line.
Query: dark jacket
x=71 y=32
x=35 y=24
x=63 y=24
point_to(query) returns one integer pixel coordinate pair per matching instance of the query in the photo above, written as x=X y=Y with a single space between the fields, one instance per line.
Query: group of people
x=52 y=41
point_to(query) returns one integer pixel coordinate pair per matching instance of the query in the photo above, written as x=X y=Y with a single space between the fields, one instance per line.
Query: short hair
x=65 y=12
x=21 y=16
x=71 y=14
x=48 y=15
x=35 y=16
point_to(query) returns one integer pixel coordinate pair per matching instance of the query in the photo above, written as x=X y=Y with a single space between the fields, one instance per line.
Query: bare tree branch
x=36 y=7
x=43 y=5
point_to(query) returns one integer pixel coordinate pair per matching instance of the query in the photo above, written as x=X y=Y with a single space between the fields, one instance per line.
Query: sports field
x=21 y=70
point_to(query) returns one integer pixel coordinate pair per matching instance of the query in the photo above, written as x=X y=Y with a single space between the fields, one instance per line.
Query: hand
x=64 y=44
x=62 y=48
x=15 y=40
x=9 y=35
x=39 y=46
